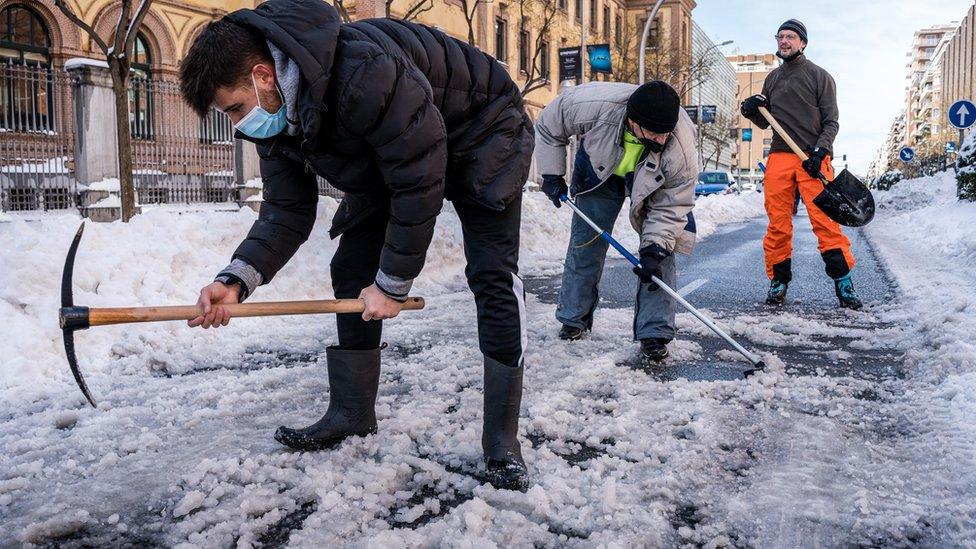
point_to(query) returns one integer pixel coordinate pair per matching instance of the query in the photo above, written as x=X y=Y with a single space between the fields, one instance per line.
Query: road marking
x=692 y=286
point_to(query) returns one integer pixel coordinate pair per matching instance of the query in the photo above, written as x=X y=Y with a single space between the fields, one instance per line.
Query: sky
x=861 y=43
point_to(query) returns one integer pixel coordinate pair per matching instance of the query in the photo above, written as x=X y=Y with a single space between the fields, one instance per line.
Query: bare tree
x=719 y=134
x=470 y=8
x=340 y=6
x=118 y=53
x=538 y=14
x=414 y=11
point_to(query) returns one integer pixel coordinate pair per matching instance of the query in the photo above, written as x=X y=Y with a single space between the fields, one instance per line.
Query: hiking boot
x=353 y=381
x=504 y=467
x=570 y=333
x=655 y=349
x=846 y=294
x=777 y=292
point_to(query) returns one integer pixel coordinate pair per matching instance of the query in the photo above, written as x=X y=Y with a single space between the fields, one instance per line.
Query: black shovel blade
x=847 y=201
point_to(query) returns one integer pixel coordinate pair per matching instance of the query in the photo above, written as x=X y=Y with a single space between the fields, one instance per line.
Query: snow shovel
x=846 y=199
x=72 y=317
x=757 y=364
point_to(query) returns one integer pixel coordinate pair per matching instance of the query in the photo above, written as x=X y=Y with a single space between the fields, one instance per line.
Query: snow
x=76 y=62
x=49 y=166
x=179 y=451
x=110 y=184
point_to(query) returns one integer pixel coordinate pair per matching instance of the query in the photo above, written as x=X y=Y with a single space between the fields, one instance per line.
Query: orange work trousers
x=784 y=175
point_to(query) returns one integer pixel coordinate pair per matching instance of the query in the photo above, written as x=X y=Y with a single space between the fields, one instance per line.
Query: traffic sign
x=907 y=154
x=950 y=147
x=962 y=114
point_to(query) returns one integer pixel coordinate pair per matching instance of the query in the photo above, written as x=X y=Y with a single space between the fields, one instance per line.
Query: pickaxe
x=74 y=317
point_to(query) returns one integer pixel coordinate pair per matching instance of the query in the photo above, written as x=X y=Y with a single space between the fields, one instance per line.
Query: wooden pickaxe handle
x=126 y=315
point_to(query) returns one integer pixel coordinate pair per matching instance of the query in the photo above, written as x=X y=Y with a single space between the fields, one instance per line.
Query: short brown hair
x=221 y=57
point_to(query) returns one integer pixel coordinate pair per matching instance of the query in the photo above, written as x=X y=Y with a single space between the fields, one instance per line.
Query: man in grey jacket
x=633 y=141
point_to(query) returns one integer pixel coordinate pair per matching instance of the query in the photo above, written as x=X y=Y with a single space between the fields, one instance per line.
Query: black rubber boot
x=570 y=333
x=504 y=467
x=655 y=349
x=353 y=381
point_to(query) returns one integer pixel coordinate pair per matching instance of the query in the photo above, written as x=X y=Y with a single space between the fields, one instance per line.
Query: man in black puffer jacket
x=399 y=116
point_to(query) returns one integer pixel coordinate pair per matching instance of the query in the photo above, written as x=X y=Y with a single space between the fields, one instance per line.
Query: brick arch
x=63 y=33
x=194 y=33
x=158 y=36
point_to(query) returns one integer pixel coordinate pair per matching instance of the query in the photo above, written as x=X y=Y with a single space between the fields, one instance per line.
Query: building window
x=140 y=91
x=216 y=129
x=524 y=47
x=653 y=37
x=578 y=9
x=618 y=29
x=562 y=5
x=26 y=91
x=501 y=39
x=544 y=59
x=606 y=22
x=593 y=15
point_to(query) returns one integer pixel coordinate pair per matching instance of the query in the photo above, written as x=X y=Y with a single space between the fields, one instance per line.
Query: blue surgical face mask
x=259 y=123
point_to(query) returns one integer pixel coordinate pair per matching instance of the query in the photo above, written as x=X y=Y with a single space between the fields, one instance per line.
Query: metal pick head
x=72 y=318
x=69 y=351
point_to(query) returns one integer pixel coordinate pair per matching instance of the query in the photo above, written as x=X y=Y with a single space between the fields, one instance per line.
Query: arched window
x=140 y=90
x=26 y=94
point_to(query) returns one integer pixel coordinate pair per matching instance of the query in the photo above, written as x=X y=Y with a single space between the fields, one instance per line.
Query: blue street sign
x=747 y=134
x=962 y=114
x=950 y=147
x=906 y=154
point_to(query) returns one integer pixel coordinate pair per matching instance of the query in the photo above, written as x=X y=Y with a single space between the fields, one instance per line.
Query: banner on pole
x=599 y=55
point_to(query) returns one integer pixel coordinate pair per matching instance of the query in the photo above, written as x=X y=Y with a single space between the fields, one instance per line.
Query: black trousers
x=491 y=247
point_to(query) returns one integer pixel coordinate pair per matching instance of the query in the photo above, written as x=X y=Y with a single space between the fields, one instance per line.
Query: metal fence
x=176 y=155
x=36 y=139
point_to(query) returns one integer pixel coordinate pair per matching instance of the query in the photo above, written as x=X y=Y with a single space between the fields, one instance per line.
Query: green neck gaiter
x=633 y=149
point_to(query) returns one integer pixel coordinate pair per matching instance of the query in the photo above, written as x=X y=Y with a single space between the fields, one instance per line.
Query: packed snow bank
x=161 y=258
x=927 y=237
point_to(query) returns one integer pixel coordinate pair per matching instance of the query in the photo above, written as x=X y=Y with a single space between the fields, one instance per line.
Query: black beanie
x=795 y=26
x=654 y=106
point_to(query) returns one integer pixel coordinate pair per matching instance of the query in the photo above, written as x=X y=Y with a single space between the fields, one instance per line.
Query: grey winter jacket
x=663 y=192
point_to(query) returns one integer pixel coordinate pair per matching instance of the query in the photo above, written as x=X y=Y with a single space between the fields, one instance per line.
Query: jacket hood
x=307 y=32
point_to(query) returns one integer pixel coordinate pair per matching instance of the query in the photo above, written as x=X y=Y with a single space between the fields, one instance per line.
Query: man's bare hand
x=378 y=305
x=212 y=297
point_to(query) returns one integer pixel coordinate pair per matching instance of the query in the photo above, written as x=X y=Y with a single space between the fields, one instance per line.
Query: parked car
x=714 y=182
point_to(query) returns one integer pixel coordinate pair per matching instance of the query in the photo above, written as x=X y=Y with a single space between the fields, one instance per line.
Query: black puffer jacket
x=398 y=116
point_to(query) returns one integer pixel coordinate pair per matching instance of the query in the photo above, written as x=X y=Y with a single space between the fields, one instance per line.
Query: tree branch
x=418 y=8
x=133 y=30
x=70 y=14
x=118 y=38
x=340 y=6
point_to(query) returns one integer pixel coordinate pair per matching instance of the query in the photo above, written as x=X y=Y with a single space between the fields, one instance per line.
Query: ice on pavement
x=180 y=452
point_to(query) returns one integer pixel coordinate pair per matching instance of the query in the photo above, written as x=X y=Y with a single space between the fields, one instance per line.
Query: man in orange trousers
x=803 y=98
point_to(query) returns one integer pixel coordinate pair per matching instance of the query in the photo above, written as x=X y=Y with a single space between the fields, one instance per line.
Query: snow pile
x=927 y=236
x=110 y=184
x=717 y=209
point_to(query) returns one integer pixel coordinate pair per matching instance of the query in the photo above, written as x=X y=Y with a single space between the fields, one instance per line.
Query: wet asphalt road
x=726 y=275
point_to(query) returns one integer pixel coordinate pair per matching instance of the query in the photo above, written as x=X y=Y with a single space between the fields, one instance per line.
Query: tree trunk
x=127 y=193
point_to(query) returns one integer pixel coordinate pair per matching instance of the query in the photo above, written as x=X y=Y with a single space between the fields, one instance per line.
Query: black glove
x=750 y=107
x=650 y=260
x=554 y=186
x=812 y=164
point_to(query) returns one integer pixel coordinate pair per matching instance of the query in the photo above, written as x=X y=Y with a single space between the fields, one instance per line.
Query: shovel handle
x=789 y=140
x=782 y=133
x=102 y=317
